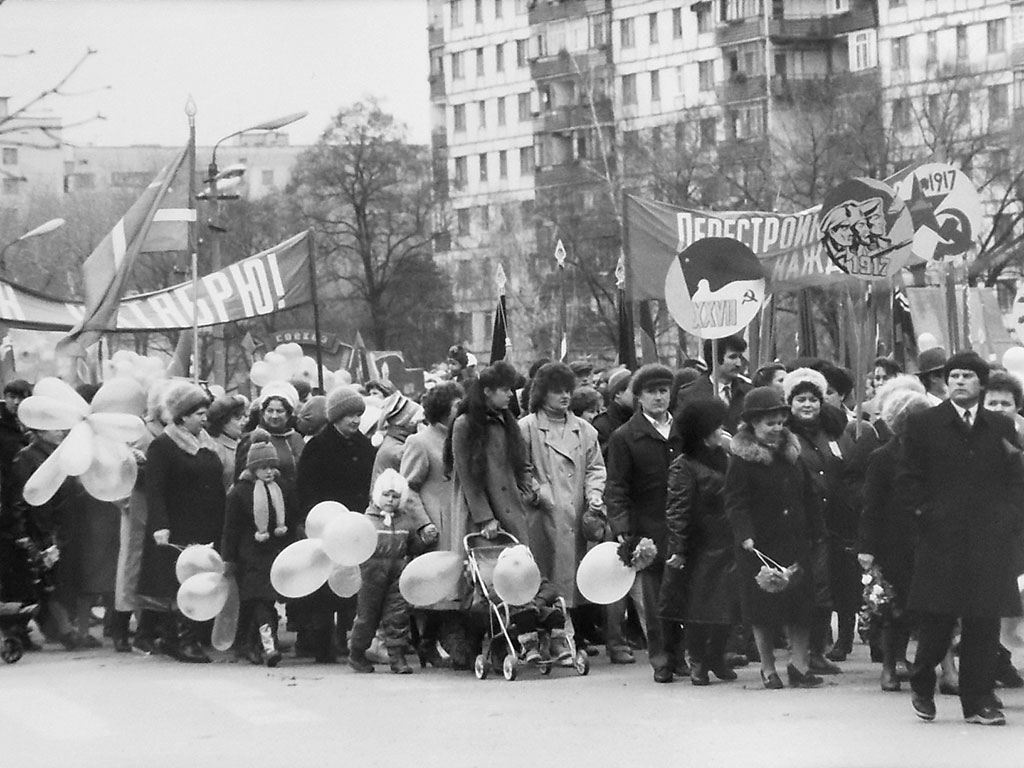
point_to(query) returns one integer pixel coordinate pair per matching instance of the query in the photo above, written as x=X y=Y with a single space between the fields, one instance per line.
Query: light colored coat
x=570 y=470
x=423 y=466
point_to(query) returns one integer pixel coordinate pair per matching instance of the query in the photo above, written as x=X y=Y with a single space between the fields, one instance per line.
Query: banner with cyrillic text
x=271 y=281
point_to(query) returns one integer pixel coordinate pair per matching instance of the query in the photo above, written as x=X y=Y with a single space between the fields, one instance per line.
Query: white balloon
x=926 y=341
x=44 y=412
x=203 y=596
x=345 y=580
x=76 y=450
x=601 y=577
x=301 y=568
x=197 y=558
x=350 y=539
x=289 y=351
x=1013 y=360
x=121 y=427
x=275 y=359
x=261 y=373
x=113 y=472
x=45 y=481
x=59 y=389
x=431 y=577
x=320 y=516
x=516 y=576
x=225 y=626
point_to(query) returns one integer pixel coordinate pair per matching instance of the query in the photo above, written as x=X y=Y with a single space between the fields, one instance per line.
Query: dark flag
x=626 y=333
x=499 y=336
x=904 y=338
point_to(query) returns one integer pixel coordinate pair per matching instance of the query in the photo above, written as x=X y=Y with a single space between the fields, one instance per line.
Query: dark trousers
x=706 y=644
x=979 y=653
x=664 y=638
x=380 y=603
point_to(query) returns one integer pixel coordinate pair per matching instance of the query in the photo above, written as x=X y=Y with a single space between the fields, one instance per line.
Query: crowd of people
x=770 y=500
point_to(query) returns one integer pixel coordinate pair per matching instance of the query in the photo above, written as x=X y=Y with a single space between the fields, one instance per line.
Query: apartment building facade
x=723 y=76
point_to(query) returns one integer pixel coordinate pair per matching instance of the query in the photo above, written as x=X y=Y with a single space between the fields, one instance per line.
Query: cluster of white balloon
x=205 y=592
x=288 y=363
x=338 y=542
x=125 y=364
x=1013 y=361
x=97 y=446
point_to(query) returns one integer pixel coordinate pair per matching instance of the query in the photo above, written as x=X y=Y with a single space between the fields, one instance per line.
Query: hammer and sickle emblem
x=748 y=296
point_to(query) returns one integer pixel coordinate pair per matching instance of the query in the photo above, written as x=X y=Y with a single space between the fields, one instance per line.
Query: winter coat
x=185 y=495
x=253 y=558
x=133 y=529
x=887 y=529
x=698 y=529
x=400 y=538
x=335 y=468
x=637 y=488
x=12 y=439
x=703 y=389
x=423 y=467
x=289 y=446
x=389 y=454
x=769 y=498
x=227 y=450
x=497 y=495
x=967 y=488
x=607 y=422
x=571 y=476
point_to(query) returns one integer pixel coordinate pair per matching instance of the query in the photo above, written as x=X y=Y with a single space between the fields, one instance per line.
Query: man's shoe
x=621 y=656
x=359 y=662
x=723 y=672
x=682 y=669
x=819 y=665
x=798 y=679
x=986 y=716
x=1008 y=676
x=663 y=675
x=924 y=707
x=902 y=670
x=736 y=659
x=699 y=675
x=890 y=681
x=949 y=687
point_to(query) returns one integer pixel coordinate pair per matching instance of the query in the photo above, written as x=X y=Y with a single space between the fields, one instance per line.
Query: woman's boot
x=889 y=681
x=119 y=623
x=268 y=642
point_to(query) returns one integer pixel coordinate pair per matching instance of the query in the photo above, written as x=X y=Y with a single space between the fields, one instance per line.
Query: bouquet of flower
x=773 y=578
x=879 y=601
x=637 y=552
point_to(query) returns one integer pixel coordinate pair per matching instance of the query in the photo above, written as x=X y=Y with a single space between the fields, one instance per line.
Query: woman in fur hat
x=185 y=503
x=275 y=415
x=887 y=526
x=256 y=529
x=699 y=585
x=773 y=510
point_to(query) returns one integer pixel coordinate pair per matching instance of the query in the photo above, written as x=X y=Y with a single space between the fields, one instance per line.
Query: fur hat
x=967 y=361
x=222 y=409
x=312 y=416
x=182 y=398
x=618 y=382
x=801 y=380
x=761 y=401
x=389 y=480
x=261 y=454
x=931 y=360
x=699 y=420
x=651 y=375
x=900 y=405
x=344 y=401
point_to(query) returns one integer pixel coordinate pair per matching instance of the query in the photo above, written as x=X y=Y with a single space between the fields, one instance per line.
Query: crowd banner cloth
x=270 y=281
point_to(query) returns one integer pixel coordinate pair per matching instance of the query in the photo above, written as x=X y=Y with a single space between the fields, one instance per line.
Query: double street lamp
x=43 y=229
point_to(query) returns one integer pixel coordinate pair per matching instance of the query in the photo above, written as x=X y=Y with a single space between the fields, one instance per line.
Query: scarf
x=189 y=443
x=267 y=496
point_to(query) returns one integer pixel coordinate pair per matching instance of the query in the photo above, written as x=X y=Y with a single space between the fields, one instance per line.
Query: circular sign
x=865 y=229
x=714 y=287
x=945 y=209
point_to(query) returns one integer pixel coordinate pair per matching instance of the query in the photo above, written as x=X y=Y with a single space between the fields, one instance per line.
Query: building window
x=998 y=103
x=10 y=156
x=462 y=221
x=1018 y=89
x=900 y=53
x=901 y=118
x=863 y=51
x=961 y=42
x=457 y=72
x=747 y=122
x=704 y=19
x=478 y=11
x=933 y=47
x=483 y=166
x=598 y=30
x=11 y=185
x=655 y=86
x=460 y=172
x=706 y=75
x=499 y=57
x=526 y=161
x=520 y=53
x=456 y=9
x=459 y=117
x=677 y=23
x=499 y=12
x=479 y=62
x=524 y=108
x=522 y=6
x=626 y=33
x=267 y=178
x=629 y=89
x=503 y=164
x=481 y=111
x=652 y=26
x=501 y=110
x=997 y=36
x=485 y=217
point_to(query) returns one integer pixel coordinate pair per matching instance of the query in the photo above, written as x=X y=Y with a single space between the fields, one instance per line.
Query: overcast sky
x=243 y=61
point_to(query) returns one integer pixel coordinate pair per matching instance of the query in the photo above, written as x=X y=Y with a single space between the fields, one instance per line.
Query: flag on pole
x=905 y=340
x=626 y=333
x=157 y=221
x=500 y=341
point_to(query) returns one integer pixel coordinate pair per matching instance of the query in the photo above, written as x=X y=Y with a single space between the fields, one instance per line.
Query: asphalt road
x=97 y=708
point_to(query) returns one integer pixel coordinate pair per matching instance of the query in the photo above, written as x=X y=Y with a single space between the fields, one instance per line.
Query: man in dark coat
x=13 y=436
x=620 y=408
x=961 y=473
x=723 y=382
x=336 y=465
x=639 y=455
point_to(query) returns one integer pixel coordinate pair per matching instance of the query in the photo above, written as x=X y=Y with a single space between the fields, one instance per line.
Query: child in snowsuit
x=402 y=531
x=256 y=529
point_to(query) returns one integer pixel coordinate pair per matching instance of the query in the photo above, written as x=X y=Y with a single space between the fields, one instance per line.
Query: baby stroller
x=499 y=646
x=23 y=587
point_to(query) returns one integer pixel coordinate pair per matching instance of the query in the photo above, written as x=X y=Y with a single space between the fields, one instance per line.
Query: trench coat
x=966 y=486
x=570 y=474
x=423 y=467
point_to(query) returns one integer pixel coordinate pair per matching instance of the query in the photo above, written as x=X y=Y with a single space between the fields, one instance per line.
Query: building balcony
x=437 y=90
x=576 y=116
x=564 y=63
x=1017 y=56
x=439 y=140
x=796 y=29
x=824 y=89
x=435 y=35
x=741 y=87
x=573 y=173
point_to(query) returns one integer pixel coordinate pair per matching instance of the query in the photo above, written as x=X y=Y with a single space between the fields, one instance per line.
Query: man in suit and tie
x=961 y=471
x=724 y=381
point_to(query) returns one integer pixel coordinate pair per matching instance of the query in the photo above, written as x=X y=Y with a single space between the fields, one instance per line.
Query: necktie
x=967 y=419
x=726 y=394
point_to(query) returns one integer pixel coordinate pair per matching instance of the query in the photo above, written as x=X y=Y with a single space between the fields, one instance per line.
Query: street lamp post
x=43 y=229
x=218 y=187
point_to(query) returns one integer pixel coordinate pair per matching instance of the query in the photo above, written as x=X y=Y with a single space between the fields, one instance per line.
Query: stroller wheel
x=509 y=668
x=581 y=663
x=481 y=667
x=11 y=650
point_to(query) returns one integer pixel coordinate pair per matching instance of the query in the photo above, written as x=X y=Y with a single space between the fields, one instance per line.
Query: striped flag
x=157 y=221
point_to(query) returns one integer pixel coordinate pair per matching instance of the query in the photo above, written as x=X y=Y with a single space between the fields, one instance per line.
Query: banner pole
x=193 y=246
x=311 y=251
